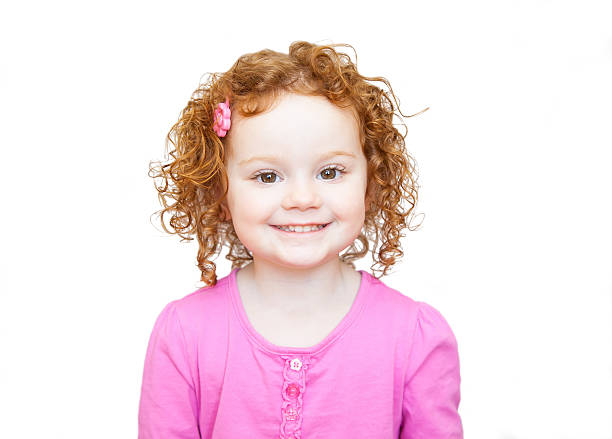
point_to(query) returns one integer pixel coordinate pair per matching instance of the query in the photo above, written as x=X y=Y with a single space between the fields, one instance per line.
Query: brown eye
x=329 y=173
x=332 y=173
x=267 y=177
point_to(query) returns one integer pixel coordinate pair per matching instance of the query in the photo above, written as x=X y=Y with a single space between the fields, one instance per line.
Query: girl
x=289 y=159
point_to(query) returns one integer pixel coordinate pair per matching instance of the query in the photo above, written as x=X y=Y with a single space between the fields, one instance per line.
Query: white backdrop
x=514 y=160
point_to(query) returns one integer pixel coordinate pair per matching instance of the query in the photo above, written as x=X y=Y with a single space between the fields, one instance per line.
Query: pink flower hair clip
x=223 y=116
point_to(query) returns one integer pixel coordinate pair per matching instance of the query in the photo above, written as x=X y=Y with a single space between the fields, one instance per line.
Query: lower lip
x=312 y=232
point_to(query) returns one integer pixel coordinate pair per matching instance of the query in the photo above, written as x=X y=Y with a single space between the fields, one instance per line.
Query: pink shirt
x=390 y=369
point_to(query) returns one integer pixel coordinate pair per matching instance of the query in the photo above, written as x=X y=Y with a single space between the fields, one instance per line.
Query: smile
x=301 y=229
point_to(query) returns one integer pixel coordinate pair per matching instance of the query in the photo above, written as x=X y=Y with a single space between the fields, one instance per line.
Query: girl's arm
x=431 y=390
x=168 y=404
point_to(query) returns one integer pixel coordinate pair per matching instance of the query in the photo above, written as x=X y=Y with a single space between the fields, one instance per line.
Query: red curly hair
x=194 y=181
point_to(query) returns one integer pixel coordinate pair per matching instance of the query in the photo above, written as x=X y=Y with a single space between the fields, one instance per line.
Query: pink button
x=293 y=390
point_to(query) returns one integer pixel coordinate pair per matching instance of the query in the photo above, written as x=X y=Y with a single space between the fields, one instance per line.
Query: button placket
x=294 y=384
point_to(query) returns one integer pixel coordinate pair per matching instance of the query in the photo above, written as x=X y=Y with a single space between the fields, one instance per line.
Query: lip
x=312 y=232
x=303 y=225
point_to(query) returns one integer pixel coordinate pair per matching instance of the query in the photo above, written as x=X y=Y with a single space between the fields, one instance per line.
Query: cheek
x=350 y=204
x=245 y=206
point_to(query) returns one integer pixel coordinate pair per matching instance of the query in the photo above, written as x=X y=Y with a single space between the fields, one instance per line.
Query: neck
x=290 y=290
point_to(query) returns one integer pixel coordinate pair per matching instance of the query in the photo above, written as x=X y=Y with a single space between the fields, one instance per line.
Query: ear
x=226 y=214
x=369 y=196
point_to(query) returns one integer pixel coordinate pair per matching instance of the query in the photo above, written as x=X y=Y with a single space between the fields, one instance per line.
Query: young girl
x=289 y=159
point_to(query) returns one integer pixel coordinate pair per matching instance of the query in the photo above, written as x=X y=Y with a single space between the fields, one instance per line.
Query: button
x=296 y=364
x=291 y=414
x=292 y=390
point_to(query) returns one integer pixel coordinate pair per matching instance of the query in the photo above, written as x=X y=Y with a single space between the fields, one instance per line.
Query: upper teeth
x=300 y=228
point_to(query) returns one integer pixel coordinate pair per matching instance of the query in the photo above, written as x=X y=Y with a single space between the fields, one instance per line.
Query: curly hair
x=194 y=179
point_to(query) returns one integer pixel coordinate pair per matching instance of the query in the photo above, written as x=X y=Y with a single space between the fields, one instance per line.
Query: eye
x=266 y=177
x=331 y=171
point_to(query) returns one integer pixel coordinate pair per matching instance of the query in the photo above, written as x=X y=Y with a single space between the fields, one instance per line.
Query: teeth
x=300 y=229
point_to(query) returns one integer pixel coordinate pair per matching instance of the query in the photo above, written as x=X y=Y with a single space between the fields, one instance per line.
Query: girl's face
x=299 y=163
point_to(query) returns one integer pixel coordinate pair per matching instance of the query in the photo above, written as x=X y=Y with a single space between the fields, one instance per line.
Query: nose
x=301 y=194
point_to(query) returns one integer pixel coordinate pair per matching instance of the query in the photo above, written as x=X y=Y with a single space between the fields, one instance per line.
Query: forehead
x=295 y=123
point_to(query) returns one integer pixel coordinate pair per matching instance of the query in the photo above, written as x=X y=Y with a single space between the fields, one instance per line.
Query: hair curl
x=194 y=180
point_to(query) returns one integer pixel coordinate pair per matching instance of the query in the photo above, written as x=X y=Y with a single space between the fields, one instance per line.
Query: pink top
x=390 y=369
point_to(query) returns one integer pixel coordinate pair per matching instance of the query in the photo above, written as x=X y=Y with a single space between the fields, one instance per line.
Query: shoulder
x=203 y=308
x=411 y=314
x=390 y=301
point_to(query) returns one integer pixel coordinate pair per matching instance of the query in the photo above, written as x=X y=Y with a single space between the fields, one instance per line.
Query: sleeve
x=168 y=404
x=431 y=387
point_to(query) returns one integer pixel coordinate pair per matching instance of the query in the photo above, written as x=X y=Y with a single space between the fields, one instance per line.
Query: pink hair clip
x=223 y=116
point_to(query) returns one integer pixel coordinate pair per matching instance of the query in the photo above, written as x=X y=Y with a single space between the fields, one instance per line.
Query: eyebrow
x=275 y=159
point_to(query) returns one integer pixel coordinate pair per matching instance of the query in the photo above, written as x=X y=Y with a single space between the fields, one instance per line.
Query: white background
x=514 y=159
